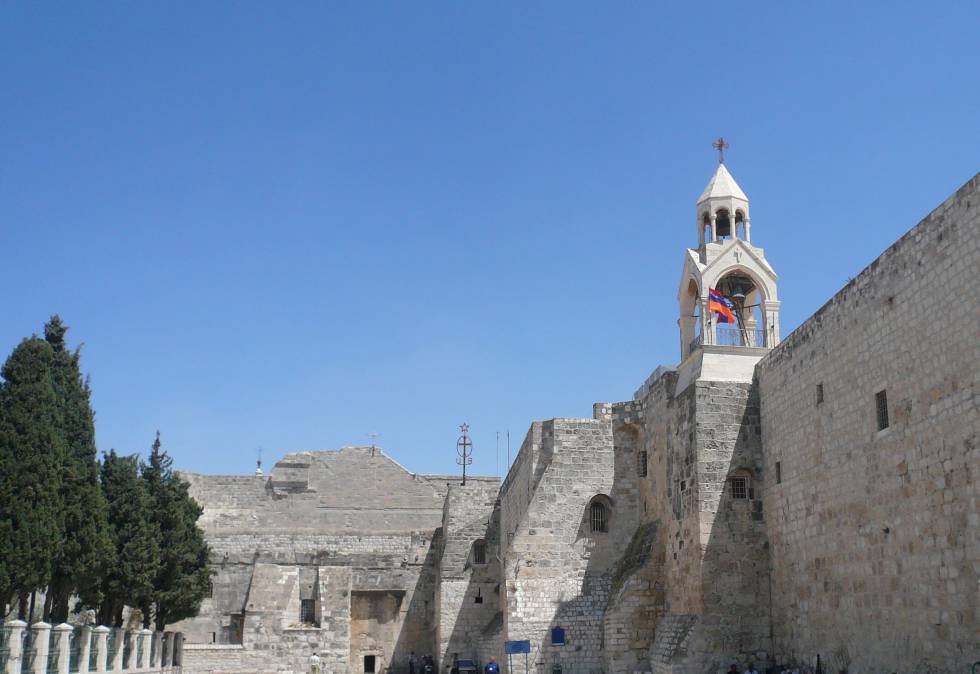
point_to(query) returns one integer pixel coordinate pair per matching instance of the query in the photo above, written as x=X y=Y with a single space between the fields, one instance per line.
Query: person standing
x=492 y=666
x=314 y=664
x=411 y=662
x=751 y=669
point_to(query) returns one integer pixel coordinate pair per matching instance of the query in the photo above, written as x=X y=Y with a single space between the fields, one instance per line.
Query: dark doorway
x=368 y=664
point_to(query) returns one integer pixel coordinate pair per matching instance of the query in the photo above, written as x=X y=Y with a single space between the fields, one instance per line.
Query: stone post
x=157 y=644
x=748 y=231
x=714 y=229
x=130 y=662
x=101 y=647
x=41 y=636
x=144 y=653
x=62 y=646
x=178 y=649
x=168 y=649
x=118 y=645
x=84 y=649
x=15 y=646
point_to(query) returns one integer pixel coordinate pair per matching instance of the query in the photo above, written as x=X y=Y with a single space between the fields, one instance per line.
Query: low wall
x=76 y=649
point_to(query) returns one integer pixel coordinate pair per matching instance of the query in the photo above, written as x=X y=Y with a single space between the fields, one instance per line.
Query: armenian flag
x=721 y=305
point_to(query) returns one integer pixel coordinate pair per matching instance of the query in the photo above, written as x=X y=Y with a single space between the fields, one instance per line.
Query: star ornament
x=465 y=428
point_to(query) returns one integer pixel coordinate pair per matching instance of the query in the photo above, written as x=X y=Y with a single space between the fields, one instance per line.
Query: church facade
x=764 y=500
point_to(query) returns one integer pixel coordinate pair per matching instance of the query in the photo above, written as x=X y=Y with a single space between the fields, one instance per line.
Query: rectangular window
x=779 y=473
x=641 y=464
x=740 y=488
x=368 y=664
x=683 y=485
x=881 y=405
x=480 y=552
x=819 y=393
x=307 y=611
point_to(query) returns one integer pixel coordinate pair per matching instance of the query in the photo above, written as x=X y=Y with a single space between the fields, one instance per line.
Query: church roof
x=722 y=185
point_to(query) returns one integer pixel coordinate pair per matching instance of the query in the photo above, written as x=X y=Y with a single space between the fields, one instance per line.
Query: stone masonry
x=762 y=501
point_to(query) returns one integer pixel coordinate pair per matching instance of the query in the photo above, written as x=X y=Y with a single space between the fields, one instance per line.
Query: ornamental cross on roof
x=721 y=146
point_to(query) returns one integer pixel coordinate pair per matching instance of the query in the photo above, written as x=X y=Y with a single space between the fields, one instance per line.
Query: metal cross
x=464 y=448
x=721 y=146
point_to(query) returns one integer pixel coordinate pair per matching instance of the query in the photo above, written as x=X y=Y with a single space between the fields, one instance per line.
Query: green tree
x=135 y=537
x=86 y=547
x=32 y=450
x=183 y=578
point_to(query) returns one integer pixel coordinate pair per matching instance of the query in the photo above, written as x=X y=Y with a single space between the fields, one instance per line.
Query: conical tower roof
x=722 y=186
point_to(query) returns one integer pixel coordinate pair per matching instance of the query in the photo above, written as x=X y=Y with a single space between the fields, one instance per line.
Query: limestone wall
x=875 y=535
x=557 y=571
x=468 y=591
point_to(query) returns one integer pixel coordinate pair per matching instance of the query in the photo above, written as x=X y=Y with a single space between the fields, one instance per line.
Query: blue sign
x=515 y=647
x=558 y=637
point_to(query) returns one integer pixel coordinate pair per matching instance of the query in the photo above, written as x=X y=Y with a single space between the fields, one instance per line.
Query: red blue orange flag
x=721 y=305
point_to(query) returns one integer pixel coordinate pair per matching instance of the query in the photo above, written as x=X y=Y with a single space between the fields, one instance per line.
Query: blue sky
x=287 y=225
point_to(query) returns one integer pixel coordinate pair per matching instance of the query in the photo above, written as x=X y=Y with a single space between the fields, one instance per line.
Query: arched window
x=598 y=516
x=723 y=224
x=480 y=552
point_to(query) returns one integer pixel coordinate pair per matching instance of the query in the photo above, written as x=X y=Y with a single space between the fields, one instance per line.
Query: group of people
x=428 y=665
x=752 y=670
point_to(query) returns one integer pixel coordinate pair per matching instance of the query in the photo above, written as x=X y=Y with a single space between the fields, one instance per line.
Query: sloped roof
x=722 y=185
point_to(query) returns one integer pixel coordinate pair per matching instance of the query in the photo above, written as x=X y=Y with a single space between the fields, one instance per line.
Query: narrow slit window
x=641 y=464
x=881 y=406
x=779 y=473
x=480 y=552
x=598 y=516
x=819 y=393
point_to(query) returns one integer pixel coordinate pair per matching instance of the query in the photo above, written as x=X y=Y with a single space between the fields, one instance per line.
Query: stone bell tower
x=726 y=261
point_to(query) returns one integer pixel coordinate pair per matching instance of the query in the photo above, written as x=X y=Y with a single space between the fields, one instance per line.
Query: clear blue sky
x=285 y=225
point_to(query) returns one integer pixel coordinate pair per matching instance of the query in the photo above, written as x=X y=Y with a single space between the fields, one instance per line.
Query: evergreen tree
x=32 y=451
x=182 y=581
x=86 y=546
x=135 y=537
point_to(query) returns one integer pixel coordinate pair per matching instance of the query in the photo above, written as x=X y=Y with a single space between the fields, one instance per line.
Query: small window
x=597 y=514
x=819 y=393
x=557 y=636
x=307 y=612
x=641 y=464
x=779 y=473
x=210 y=589
x=881 y=405
x=369 y=664
x=478 y=599
x=480 y=552
x=683 y=485
x=740 y=487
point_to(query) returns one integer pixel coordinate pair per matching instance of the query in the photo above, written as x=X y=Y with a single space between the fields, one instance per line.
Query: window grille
x=641 y=464
x=480 y=552
x=740 y=488
x=881 y=405
x=307 y=611
x=819 y=393
x=598 y=517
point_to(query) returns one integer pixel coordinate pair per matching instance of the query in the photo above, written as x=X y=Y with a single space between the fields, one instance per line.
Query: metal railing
x=732 y=336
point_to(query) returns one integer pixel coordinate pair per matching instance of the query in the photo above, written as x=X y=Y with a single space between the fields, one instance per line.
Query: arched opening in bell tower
x=723 y=224
x=691 y=324
x=746 y=297
x=740 y=226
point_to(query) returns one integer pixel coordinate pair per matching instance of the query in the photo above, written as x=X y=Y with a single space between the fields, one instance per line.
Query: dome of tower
x=722 y=186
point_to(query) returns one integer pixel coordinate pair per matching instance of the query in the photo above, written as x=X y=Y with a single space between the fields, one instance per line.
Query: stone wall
x=876 y=533
x=557 y=571
x=468 y=591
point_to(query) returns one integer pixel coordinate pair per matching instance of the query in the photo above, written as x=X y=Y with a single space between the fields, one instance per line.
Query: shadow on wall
x=736 y=624
x=418 y=626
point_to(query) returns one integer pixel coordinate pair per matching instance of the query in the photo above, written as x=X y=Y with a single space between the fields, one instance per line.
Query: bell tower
x=729 y=305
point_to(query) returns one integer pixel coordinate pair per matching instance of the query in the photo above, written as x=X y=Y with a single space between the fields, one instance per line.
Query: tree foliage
x=135 y=537
x=86 y=547
x=31 y=452
x=183 y=577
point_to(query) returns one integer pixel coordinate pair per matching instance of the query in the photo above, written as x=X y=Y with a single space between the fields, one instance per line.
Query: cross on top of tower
x=721 y=146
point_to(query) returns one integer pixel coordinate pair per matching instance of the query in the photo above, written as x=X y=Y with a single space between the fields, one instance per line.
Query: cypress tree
x=86 y=546
x=135 y=537
x=32 y=451
x=182 y=580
